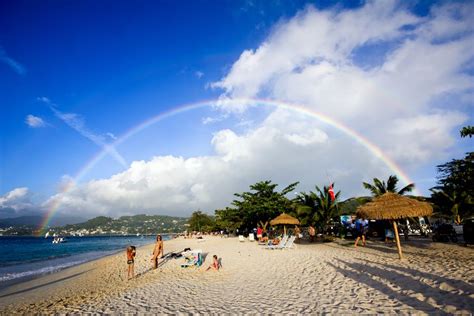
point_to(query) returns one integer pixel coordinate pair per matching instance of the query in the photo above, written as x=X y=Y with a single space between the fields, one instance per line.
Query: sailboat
x=46 y=235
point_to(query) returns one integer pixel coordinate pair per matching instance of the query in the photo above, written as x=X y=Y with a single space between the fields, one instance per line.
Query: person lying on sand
x=275 y=241
x=214 y=265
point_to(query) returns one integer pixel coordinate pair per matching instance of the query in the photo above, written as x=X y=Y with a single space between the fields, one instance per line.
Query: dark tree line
x=454 y=194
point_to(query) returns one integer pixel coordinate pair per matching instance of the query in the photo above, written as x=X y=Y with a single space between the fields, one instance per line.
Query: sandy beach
x=321 y=277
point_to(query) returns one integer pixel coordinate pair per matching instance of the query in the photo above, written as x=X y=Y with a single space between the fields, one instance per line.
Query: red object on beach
x=331 y=193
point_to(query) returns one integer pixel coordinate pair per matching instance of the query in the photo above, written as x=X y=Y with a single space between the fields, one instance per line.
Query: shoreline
x=54 y=269
x=321 y=277
x=20 y=272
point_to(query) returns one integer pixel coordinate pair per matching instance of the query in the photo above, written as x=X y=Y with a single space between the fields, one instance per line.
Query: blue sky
x=110 y=65
x=97 y=59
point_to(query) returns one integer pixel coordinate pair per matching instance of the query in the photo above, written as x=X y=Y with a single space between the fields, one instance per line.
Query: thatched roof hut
x=393 y=206
x=284 y=219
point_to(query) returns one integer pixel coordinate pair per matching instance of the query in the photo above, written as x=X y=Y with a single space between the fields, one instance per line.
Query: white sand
x=332 y=277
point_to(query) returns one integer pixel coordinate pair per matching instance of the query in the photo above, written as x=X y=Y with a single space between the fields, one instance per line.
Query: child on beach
x=131 y=252
x=214 y=265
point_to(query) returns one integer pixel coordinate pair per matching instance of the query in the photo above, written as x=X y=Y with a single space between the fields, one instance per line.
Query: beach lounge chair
x=251 y=237
x=241 y=238
x=280 y=245
x=290 y=243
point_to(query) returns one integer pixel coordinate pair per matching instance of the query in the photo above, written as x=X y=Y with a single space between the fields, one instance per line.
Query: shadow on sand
x=456 y=284
x=377 y=278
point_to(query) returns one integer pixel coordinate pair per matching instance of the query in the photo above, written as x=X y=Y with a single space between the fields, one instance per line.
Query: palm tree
x=316 y=207
x=380 y=187
x=454 y=199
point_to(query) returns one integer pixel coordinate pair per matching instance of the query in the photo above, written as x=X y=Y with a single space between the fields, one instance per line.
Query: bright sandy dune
x=332 y=277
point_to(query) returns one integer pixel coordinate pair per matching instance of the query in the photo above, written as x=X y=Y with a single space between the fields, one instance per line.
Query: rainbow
x=374 y=149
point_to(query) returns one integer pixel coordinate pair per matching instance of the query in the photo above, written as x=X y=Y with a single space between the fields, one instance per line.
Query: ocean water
x=28 y=257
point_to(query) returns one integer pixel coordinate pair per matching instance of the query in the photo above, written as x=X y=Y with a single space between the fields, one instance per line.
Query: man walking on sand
x=361 y=226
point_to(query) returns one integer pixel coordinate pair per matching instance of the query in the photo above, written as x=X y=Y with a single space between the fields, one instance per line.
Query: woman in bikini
x=131 y=252
x=157 y=251
x=215 y=264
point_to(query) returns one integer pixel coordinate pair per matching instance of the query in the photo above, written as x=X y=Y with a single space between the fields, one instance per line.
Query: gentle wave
x=45 y=270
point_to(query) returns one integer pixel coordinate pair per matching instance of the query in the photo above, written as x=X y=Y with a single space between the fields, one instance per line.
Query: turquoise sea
x=28 y=257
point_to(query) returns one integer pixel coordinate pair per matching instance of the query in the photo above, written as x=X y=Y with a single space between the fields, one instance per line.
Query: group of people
x=157 y=254
x=262 y=236
x=132 y=252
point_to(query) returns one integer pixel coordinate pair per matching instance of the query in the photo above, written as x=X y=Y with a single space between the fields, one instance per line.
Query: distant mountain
x=35 y=221
x=137 y=224
x=125 y=225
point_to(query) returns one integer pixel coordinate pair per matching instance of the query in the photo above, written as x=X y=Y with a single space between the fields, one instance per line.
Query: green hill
x=126 y=225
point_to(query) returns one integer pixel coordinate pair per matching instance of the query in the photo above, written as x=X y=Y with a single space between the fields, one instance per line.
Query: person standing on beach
x=312 y=233
x=297 y=233
x=361 y=227
x=157 y=251
x=259 y=233
x=131 y=252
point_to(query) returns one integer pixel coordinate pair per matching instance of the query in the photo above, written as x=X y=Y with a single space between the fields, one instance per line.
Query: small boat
x=46 y=235
x=58 y=240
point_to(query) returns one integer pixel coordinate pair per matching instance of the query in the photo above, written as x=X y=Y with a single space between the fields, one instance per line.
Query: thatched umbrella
x=284 y=219
x=393 y=206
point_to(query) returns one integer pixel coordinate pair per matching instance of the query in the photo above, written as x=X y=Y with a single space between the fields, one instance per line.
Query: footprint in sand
x=446 y=287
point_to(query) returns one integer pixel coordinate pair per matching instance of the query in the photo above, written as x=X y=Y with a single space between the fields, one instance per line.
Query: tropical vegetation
x=381 y=187
x=317 y=208
x=453 y=195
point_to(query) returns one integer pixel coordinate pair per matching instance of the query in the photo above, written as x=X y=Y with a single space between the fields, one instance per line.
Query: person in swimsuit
x=215 y=264
x=131 y=252
x=312 y=233
x=157 y=251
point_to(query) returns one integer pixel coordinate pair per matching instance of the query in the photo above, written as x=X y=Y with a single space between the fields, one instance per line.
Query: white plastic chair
x=251 y=237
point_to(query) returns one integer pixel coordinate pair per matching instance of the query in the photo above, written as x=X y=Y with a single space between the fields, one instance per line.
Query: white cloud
x=15 y=203
x=199 y=74
x=34 y=121
x=76 y=122
x=174 y=185
x=111 y=135
x=16 y=66
x=13 y=195
x=313 y=59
